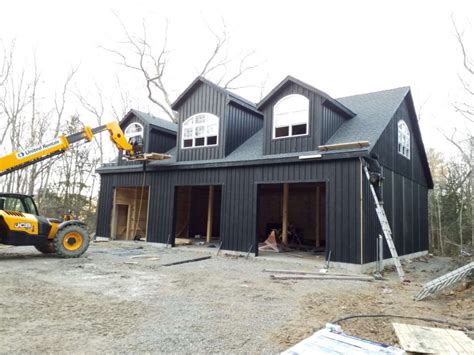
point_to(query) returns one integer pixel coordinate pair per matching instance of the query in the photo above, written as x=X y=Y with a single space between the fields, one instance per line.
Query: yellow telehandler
x=20 y=223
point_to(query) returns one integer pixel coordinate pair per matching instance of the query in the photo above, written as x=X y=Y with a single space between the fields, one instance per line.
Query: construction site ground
x=120 y=298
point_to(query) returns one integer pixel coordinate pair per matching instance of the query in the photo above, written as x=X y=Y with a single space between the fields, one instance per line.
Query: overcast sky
x=340 y=47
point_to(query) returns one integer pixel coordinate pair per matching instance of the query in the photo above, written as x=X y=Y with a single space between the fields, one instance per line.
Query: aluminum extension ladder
x=387 y=232
x=444 y=281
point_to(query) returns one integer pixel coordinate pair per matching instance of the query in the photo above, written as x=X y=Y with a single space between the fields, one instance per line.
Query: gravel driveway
x=119 y=298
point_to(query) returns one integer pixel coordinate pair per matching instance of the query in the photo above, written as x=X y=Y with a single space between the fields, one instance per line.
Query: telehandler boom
x=20 y=223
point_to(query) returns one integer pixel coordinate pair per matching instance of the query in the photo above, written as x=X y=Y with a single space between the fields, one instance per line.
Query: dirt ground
x=120 y=298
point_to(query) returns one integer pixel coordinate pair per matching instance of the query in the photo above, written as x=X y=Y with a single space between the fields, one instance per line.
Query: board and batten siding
x=387 y=148
x=293 y=144
x=239 y=201
x=161 y=142
x=331 y=122
x=240 y=125
x=209 y=100
x=405 y=193
x=406 y=206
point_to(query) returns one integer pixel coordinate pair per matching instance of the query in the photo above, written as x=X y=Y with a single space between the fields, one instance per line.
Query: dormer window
x=134 y=133
x=291 y=116
x=403 y=139
x=200 y=130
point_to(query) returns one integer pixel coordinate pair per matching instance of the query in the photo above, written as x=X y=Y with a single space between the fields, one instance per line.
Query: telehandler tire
x=46 y=248
x=71 y=241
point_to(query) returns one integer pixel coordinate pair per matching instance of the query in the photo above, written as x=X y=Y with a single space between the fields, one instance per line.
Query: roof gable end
x=327 y=100
x=230 y=96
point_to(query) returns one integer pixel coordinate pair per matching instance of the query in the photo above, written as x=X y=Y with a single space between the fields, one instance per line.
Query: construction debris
x=322 y=277
x=298 y=272
x=187 y=261
x=153 y=156
x=146 y=257
x=427 y=340
x=332 y=340
x=444 y=281
x=349 y=145
x=270 y=244
x=183 y=241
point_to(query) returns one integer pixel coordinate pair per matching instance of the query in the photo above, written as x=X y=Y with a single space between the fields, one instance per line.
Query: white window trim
x=403 y=134
x=134 y=134
x=205 y=136
x=290 y=128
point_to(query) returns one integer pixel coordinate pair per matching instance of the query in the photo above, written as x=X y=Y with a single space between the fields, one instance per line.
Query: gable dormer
x=299 y=117
x=212 y=121
x=157 y=135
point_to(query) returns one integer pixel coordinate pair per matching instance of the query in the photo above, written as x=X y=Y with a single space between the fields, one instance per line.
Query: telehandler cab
x=20 y=222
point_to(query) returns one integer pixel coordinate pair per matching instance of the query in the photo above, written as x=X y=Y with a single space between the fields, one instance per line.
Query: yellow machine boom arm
x=22 y=158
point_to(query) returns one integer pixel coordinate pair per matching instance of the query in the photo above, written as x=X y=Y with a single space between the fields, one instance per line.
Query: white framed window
x=403 y=139
x=134 y=134
x=200 y=130
x=134 y=129
x=291 y=116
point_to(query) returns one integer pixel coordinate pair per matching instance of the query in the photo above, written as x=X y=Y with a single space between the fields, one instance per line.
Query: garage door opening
x=130 y=213
x=197 y=215
x=291 y=217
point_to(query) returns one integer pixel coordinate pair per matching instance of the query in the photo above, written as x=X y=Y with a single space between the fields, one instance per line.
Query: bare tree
x=137 y=54
x=465 y=144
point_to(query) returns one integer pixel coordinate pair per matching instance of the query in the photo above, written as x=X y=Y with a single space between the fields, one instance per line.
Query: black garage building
x=236 y=165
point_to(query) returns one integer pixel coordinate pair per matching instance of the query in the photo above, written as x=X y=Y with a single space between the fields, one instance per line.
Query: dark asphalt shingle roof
x=158 y=122
x=374 y=112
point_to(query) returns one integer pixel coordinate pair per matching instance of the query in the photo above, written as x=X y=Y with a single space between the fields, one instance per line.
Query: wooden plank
x=429 y=340
x=348 y=145
x=284 y=224
x=153 y=156
x=187 y=261
x=210 y=207
x=298 y=272
x=321 y=277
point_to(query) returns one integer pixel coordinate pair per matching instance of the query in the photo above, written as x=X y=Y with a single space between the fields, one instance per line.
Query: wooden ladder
x=387 y=232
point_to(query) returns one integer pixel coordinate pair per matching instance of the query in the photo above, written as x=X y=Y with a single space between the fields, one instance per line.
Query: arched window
x=403 y=139
x=291 y=116
x=200 y=130
x=134 y=134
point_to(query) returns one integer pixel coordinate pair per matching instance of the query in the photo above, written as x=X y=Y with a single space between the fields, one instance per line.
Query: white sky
x=340 y=47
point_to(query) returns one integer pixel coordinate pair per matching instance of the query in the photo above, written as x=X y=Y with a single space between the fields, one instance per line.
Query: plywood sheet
x=429 y=340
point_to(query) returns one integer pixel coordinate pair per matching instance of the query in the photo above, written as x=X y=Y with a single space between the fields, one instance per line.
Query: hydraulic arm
x=22 y=158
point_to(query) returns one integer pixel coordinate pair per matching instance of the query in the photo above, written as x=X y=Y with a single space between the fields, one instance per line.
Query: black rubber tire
x=63 y=233
x=46 y=248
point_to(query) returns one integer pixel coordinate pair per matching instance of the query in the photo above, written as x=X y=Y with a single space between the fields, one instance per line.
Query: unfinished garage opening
x=291 y=217
x=130 y=213
x=197 y=214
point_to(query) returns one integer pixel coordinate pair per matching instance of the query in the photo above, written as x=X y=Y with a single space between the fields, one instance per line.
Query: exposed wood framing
x=318 y=216
x=284 y=224
x=210 y=207
x=113 y=223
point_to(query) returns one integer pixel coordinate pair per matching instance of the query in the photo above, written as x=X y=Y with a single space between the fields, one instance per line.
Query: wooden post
x=318 y=216
x=113 y=226
x=284 y=224
x=210 y=206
